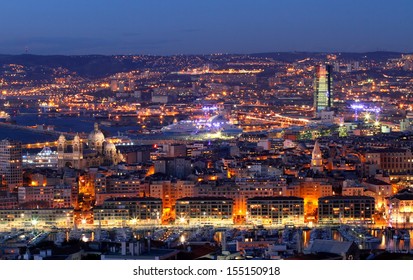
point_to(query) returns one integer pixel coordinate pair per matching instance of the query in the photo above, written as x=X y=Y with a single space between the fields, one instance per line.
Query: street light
x=34 y=222
x=157 y=217
x=182 y=239
x=83 y=221
x=134 y=221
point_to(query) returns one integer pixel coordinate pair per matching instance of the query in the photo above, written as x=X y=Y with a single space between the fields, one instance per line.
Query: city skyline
x=220 y=130
x=187 y=27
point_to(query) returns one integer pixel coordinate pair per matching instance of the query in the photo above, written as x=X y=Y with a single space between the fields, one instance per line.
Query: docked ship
x=214 y=125
x=4 y=116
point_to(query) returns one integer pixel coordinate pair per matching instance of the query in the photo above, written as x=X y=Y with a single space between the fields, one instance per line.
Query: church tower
x=61 y=149
x=317 y=159
x=77 y=152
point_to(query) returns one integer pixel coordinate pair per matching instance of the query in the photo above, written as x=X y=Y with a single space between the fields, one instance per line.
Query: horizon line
x=216 y=53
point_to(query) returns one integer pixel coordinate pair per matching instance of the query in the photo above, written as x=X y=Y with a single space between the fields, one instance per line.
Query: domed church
x=96 y=139
x=77 y=154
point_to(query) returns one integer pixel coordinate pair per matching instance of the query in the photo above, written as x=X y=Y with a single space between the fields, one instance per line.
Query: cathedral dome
x=110 y=147
x=96 y=135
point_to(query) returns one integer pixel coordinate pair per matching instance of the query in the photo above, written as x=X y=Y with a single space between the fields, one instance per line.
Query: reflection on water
x=65 y=124
x=387 y=241
x=306 y=237
x=393 y=244
x=337 y=236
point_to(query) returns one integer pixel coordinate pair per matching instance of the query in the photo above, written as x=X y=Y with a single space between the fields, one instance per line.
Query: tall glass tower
x=323 y=85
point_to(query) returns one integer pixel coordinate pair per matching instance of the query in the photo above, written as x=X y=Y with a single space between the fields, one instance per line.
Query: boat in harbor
x=215 y=124
x=357 y=234
x=4 y=116
x=403 y=234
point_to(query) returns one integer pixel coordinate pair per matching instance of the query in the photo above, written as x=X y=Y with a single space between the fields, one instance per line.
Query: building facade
x=128 y=211
x=323 y=86
x=391 y=160
x=400 y=208
x=36 y=218
x=79 y=155
x=204 y=210
x=276 y=210
x=346 y=210
x=11 y=164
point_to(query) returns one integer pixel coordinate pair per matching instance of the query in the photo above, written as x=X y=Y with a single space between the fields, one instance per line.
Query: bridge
x=274 y=119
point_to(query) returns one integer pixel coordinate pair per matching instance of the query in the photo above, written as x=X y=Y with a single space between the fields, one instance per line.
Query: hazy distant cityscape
x=288 y=155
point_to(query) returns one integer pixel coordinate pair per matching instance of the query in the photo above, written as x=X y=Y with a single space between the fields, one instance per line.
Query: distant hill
x=91 y=66
x=294 y=56
x=40 y=67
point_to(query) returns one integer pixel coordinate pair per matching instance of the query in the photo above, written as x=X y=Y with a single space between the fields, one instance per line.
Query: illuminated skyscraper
x=11 y=163
x=323 y=85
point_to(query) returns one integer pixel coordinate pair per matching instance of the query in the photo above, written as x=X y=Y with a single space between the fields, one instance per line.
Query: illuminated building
x=380 y=190
x=346 y=209
x=204 y=210
x=40 y=196
x=276 y=210
x=249 y=188
x=170 y=190
x=323 y=86
x=128 y=211
x=59 y=196
x=311 y=189
x=63 y=197
x=29 y=218
x=241 y=190
x=400 y=208
x=317 y=159
x=392 y=160
x=98 y=151
x=70 y=155
x=8 y=202
x=11 y=164
x=115 y=186
x=96 y=139
x=122 y=184
x=46 y=158
x=356 y=190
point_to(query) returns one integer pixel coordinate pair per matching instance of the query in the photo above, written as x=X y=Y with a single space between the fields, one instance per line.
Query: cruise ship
x=214 y=125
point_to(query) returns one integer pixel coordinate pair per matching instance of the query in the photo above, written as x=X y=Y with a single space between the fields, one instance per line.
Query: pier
x=36 y=130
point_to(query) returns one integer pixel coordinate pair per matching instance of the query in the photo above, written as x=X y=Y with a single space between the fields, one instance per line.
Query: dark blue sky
x=204 y=26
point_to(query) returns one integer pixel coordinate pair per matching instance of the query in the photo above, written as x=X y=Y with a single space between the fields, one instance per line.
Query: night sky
x=200 y=27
